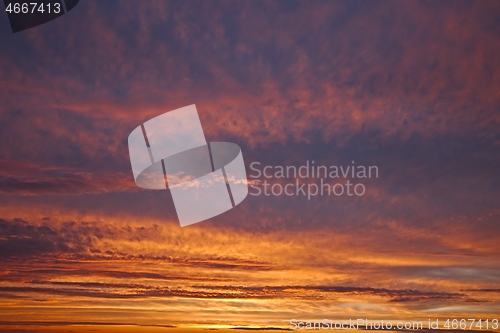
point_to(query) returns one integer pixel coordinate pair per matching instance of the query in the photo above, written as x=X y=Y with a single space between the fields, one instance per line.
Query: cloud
x=109 y=263
x=263 y=77
x=261 y=328
x=77 y=323
x=201 y=291
x=407 y=86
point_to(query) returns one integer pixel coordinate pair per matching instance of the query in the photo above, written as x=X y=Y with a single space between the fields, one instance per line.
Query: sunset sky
x=412 y=87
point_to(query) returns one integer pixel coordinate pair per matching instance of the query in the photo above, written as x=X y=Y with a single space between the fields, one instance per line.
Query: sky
x=412 y=87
